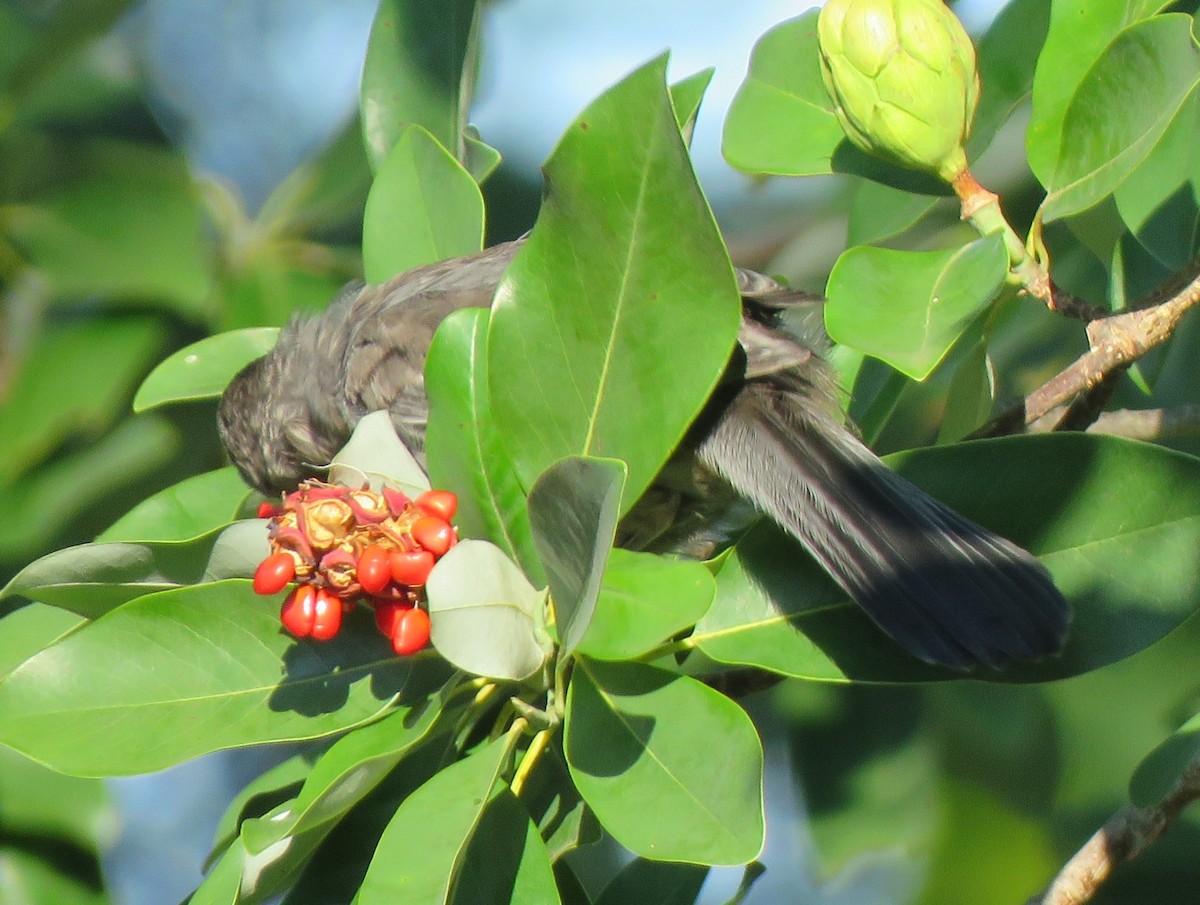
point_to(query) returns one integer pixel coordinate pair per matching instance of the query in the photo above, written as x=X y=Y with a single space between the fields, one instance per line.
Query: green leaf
x=375 y=454
x=1079 y=32
x=1126 y=563
x=463 y=445
x=645 y=599
x=686 y=97
x=642 y=882
x=506 y=860
x=421 y=850
x=551 y=799
x=348 y=772
x=26 y=631
x=47 y=402
x=781 y=120
x=128 y=224
x=47 y=500
x=486 y=617
x=261 y=795
x=423 y=207
x=573 y=510
x=419 y=69
x=908 y=308
x=184 y=672
x=202 y=370
x=1158 y=201
x=1163 y=767
x=624 y=268
x=1123 y=106
x=481 y=158
x=194 y=507
x=971 y=396
x=639 y=741
x=223 y=883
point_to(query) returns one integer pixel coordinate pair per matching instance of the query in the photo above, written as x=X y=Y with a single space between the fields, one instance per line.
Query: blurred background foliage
x=123 y=237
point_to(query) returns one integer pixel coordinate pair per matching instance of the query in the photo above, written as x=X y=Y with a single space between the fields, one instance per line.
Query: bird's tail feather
x=946 y=589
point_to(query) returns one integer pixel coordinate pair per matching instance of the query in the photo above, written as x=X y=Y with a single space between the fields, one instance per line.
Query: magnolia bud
x=902 y=77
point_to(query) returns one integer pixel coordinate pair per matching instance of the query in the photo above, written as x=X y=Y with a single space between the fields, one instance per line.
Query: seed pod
x=274 y=573
x=299 y=611
x=902 y=77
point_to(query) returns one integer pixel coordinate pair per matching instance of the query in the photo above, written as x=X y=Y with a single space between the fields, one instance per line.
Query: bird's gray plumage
x=772 y=440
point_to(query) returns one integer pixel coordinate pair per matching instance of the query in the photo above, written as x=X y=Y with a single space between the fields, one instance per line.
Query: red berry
x=411 y=568
x=274 y=573
x=374 y=570
x=327 y=615
x=441 y=503
x=433 y=533
x=386 y=612
x=410 y=632
x=267 y=509
x=299 y=611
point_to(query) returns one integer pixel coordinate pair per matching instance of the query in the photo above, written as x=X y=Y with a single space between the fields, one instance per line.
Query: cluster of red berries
x=343 y=544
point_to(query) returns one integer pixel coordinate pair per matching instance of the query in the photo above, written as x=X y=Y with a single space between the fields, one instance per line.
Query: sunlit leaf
x=423 y=207
x=639 y=741
x=908 y=308
x=624 y=268
x=202 y=370
x=190 y=509
x=184 y=672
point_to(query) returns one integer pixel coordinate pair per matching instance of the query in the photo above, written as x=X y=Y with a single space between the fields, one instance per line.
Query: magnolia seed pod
x=902 y=77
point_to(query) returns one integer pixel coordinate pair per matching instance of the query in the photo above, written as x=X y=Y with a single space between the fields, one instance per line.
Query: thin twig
x=1149 y=424
x=1124 y=836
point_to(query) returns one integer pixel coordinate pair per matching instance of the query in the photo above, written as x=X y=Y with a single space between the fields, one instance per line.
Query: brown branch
x=1115 y=342
x=1124 y=836
x=1149 y=424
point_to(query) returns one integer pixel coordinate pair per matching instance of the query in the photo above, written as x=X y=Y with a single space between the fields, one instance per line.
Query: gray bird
x=772 y=440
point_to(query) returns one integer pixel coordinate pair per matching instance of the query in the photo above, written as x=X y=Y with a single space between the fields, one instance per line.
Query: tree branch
x=1124 y=836
x=1115 y=342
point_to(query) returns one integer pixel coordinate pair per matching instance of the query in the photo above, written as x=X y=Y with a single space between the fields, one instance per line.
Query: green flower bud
x=902 y=77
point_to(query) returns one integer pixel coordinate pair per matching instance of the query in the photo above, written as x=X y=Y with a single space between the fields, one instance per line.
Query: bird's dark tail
x=946 y=589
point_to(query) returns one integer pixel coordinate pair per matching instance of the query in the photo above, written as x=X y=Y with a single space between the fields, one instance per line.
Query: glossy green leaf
x=486 y=617
x=237 y=550
x=202 y=370
x=971 y=397
x=643 y=882
x=184 y=672
x=506 y=862
x=419 y=69
x=186 y=511
x=645 y=599
x=908 y=308
x=1163 y=767
x=1125 y=561
x=639 y=741
x=573 y=510
x=481 y=158
x=47 y=500
x=422 y=847
x=128 y=224
x=46 y=402
x=879 y=211
x=1158 y=201
x=222 y=885
x=261 y=795
x=376 y=455
x=27 y=630
x=91 y=579
x=347 y=772
x=781 y=121
x=551 y=799
x=1079 y=32
x=1121 y=109
x=686 y=97
x=423 y=207
x=463 y=445
x=624 y=268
